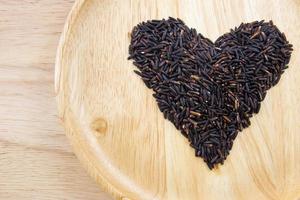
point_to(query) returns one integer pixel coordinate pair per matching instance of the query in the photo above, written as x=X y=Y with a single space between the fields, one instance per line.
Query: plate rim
x=60 y=100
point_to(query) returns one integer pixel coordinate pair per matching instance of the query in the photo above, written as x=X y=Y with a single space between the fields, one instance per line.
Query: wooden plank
x=36 y=160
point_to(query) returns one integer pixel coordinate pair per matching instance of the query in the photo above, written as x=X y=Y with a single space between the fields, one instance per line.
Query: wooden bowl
x=120 y=136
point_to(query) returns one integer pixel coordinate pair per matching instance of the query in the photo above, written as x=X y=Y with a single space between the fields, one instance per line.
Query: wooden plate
x=119 y=134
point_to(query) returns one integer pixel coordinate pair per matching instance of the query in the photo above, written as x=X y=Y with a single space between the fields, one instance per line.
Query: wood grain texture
x=36 y=161
x=121 y=137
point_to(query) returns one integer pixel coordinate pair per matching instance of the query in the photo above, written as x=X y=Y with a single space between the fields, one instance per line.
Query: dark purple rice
x=209 y=90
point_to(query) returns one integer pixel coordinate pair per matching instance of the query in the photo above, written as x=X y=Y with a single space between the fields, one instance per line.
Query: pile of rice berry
x=209 y=91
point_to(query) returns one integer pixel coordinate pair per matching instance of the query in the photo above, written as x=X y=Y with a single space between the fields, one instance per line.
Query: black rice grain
x=209 y=90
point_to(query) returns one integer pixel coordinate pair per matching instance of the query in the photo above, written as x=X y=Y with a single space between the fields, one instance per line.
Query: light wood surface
x=121 y=137
x=36 y=161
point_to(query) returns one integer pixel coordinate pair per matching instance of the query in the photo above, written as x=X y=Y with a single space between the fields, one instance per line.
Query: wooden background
x=36 y=161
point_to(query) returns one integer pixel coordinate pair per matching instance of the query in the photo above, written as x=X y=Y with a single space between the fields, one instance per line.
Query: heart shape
x=209 y=90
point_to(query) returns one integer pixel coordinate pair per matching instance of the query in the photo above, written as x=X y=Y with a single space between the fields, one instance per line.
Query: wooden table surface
x=36 y=160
